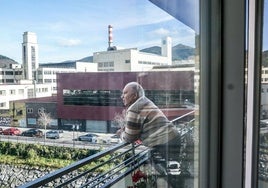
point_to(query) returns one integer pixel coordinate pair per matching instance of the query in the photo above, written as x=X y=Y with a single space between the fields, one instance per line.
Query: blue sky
x=265 y=26
x=73 y=29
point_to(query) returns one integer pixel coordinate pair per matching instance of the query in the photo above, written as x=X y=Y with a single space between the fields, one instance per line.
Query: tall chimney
x=110 y=36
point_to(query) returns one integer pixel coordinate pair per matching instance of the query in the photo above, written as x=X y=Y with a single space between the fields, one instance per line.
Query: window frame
x=222 y=86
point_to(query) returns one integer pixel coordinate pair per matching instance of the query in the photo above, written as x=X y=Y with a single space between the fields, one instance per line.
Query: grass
x=35 y=162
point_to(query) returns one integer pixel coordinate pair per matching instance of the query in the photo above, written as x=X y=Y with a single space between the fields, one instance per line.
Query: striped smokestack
x=110 y=36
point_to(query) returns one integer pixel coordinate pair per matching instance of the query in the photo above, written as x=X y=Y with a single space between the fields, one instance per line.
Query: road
x=67 y=140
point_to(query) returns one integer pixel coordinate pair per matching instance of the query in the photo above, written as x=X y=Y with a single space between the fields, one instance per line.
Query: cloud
x=161 y=32
x=69 y=42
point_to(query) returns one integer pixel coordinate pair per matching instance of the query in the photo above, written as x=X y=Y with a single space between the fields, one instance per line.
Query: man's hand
x=119 y=132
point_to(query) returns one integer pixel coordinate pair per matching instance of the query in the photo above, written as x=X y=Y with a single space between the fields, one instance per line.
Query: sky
x=74 y=29
x=265 y=26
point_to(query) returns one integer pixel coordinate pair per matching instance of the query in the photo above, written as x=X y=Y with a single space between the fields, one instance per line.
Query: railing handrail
x=57 y=173
x=184 y=115
x=138 y=158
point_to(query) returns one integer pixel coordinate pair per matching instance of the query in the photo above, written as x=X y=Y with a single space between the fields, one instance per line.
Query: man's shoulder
x=139 y=104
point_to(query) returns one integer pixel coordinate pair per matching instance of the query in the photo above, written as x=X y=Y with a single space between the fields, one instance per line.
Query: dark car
x=32 y=133
x=11 y=131
x=88 y=137
x=1 y=131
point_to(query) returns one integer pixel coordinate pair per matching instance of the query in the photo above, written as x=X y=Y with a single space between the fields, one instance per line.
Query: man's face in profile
x=129 y=96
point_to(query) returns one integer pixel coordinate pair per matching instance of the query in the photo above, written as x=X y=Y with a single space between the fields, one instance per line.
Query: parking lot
x=67 y=139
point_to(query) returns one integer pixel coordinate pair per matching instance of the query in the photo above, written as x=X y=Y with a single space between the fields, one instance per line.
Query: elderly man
x=145 y=121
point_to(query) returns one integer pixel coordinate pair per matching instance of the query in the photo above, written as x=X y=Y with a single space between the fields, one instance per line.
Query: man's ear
x=136 y=95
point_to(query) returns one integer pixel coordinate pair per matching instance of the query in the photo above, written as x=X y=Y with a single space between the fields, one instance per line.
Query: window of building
x=3 y=92
x=31 y=121
x=9 y=73
x=29 y=110
x=12 y=92
x=21 y=91
x=260 y=152
x=48 y=80
x=33 y=57
x=30 y=93
x=9 y=81
x=168 y=98
x=220 y=90
x=47 y=72
x=41 y=110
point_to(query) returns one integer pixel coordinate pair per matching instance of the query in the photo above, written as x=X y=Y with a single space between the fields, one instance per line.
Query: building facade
x=31 y=79
x=46 y=73
x=129 y=60
x=30 y=60
x=96 y=100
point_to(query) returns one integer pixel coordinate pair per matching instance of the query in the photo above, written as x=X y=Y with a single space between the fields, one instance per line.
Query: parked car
x=174 y=168
x=54 y=134
x=115 y=139
x=32 y=133
x=1 y=131
x=11 y=131
x=89 y=137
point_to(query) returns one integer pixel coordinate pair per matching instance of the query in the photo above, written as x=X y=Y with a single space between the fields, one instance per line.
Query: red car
x=11 y=131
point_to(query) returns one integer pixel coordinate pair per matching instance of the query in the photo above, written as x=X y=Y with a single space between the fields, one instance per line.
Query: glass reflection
x=263 y=134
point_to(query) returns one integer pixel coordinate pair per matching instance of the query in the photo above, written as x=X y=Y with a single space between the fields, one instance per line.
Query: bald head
x=131 y=92
x=137 y=88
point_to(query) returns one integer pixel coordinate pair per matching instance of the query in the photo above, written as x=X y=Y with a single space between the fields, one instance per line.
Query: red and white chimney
x=110 y=36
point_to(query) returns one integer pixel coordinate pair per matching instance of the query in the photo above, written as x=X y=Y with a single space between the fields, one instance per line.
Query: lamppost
x=73 y=135
x=75 y=127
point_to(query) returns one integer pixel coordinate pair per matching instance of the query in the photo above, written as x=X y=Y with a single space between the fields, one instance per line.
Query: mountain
x=6 y=61
x=87 y=59
x=179 y=52
x=265 y=58
x=152 y=50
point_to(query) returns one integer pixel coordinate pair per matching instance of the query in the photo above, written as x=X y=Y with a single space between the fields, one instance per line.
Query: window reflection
x=90 y=97
x=263 y=125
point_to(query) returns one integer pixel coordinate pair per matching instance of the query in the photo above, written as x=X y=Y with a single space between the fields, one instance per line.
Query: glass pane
x=263 y=137
x=97 y=49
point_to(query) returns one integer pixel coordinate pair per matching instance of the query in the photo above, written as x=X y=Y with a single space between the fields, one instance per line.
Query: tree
x=44 y=119
x=119 y=120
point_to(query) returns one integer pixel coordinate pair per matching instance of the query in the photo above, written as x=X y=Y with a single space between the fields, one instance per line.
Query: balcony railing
x=112 y=165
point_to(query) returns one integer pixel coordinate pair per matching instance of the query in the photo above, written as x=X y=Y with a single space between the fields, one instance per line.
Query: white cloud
x=69 y=42
x=161 y=32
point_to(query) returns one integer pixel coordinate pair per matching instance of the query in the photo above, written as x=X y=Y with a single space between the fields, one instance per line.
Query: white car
x=174 y=168
x=90 y=137
x=54 y=134
x=115 y=139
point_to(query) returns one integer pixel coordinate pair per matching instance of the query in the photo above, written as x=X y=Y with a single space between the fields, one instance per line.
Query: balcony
x=126 y=165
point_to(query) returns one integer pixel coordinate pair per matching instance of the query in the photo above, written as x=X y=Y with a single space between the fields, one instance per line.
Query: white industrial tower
x=30 y=55
x=166 y=49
